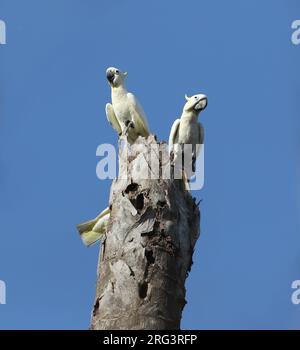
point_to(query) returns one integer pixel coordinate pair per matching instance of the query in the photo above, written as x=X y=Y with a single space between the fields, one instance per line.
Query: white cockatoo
x=125 y=114
x=93 y=230
x=188 y=131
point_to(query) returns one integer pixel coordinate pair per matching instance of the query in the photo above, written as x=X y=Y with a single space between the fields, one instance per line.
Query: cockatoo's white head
x=196 y=103
x=115 y=76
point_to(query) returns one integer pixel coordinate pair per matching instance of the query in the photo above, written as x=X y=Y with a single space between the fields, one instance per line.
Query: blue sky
x=52 y=97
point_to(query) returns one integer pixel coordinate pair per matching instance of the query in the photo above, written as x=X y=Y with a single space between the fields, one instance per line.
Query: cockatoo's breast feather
x=188 y=131
x=121 y=105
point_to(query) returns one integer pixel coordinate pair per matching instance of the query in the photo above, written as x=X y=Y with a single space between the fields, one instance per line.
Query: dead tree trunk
x=147 y=253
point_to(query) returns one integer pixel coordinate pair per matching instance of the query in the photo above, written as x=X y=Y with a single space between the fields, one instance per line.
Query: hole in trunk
x=143 y=289
x=96 y=307
x=132 y=187
x=138 y=202
x=161 y=203
x=149 y=256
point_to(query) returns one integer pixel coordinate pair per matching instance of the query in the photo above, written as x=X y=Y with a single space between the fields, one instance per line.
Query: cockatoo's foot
x=194 y=164
x=172 y=171
x=186 y=181
x=128 y=124
x=172 y=159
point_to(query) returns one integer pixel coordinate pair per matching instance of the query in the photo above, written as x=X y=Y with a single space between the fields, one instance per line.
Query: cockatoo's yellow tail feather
x=93 y=230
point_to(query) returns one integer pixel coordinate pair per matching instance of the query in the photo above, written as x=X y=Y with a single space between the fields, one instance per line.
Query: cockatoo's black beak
x=201 y=104
x=205 y=102
x=110 y=76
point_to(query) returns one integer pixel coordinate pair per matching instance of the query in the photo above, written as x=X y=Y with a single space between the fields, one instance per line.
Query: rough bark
x=147 y=253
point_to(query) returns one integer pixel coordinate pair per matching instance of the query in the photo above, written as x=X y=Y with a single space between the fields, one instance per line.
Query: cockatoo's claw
x=128 y=124
x=172 y=158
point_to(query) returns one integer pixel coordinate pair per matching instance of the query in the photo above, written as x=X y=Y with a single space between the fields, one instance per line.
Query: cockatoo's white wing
x=201 y=133
x=200 y=138
x=112 y=119
x=174 y=134
x=138 y=115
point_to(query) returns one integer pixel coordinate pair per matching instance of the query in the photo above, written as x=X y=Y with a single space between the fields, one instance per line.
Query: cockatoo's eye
x=196 y=98
x=117 y=72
